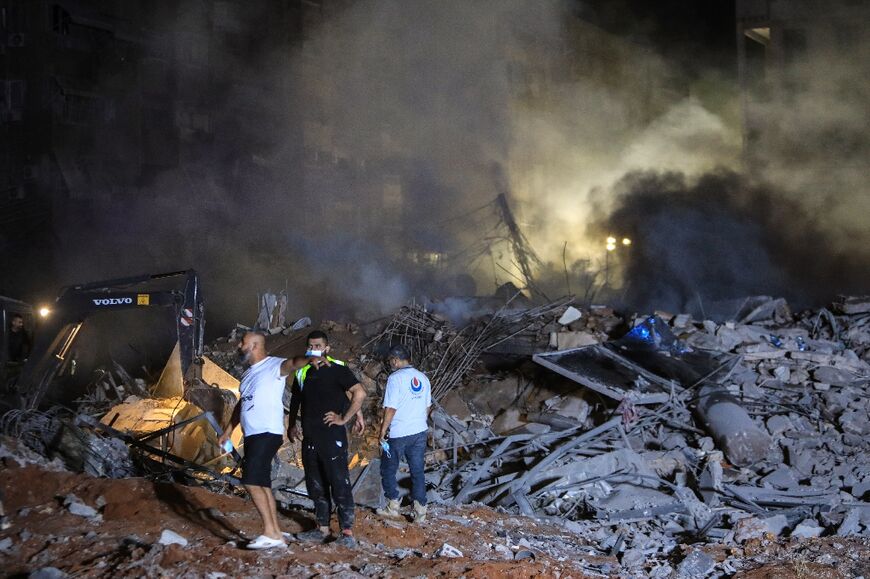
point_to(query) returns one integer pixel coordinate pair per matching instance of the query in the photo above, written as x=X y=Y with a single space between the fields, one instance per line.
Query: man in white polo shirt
x=407 y=400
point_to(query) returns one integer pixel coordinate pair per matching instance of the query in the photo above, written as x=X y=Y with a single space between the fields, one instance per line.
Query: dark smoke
x=720 y=237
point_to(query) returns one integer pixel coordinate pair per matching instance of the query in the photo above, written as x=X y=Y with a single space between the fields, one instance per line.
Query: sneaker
x=264 y=542
x=391 y=510
x=346 y=541
x=419 y=513
x=313 y=536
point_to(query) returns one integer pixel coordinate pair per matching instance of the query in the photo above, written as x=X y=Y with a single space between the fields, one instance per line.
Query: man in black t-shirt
x=19 y=341
x=322 y=393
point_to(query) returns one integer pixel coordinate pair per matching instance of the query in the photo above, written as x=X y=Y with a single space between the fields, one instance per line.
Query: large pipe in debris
x=734 y=431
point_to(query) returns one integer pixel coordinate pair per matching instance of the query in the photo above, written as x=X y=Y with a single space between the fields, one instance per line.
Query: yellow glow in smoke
x=626 y=241
x=611 y=240
x=43 y=312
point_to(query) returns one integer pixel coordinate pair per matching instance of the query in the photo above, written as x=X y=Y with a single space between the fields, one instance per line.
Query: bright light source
x=611 y=247
x=611 y=240
x=44 y=312
x=626 y=241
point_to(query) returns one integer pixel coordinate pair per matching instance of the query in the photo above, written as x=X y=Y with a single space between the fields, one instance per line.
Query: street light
x=43 y=312
x=610 y=245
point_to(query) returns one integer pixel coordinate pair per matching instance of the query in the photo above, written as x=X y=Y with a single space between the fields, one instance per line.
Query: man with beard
x=261 y=413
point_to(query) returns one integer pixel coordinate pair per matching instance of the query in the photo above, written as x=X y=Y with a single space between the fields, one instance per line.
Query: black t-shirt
x=19 y=346
x=324 y=390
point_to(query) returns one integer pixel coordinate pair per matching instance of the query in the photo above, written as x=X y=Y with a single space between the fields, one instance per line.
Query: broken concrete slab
x=763 y=308
x=851 y=524
x=778 y=424
x=696 y=564
x=169 y=537
x=569 y=340
x=781 y=478
x=833 y=376
x=571 y=314
x=454 y=405
x=776 y=524
x=807 y=529
x=852 y=305
x=507 y=421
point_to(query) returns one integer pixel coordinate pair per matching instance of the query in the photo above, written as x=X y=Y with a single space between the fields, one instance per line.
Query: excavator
x=53 y=351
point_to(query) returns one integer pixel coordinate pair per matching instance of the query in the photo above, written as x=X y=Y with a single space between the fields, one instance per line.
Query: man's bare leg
x=266 y=508
x=273 y=511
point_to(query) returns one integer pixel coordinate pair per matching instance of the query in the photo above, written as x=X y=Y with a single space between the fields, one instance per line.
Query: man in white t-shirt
x=407 y=400
x=260 y=411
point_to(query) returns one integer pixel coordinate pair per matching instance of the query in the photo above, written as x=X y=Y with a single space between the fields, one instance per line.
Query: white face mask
x=314 y=353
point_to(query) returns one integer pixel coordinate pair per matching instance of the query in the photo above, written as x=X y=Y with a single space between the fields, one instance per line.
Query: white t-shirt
x=261 y=391
x=409 y=392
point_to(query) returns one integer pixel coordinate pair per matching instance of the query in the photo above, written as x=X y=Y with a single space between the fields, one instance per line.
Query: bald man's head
x=252 y=348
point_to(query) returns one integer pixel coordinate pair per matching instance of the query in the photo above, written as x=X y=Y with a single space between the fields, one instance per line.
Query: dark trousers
x=328 y=480
x=413 y=449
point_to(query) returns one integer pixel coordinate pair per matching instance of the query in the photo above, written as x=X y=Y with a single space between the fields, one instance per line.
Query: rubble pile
x=640 y=475
x=655 y=445
x=448 y=355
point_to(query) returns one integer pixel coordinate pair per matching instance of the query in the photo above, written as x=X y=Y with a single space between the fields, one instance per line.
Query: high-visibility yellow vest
x=301 y=373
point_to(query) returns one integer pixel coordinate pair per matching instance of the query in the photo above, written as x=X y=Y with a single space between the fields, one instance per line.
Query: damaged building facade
x=801 y=67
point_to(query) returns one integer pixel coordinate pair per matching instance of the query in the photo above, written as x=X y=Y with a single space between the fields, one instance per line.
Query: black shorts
x=260 y=449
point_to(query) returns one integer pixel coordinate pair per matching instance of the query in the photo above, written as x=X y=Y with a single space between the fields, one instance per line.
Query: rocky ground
x=89 y=527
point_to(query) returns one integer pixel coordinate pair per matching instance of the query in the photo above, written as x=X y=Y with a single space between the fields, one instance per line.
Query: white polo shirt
x=409 y=392
x=261 y=391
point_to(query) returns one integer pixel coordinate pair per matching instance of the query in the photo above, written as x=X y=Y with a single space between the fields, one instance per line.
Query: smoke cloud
x=354 y=166
x=710 y=239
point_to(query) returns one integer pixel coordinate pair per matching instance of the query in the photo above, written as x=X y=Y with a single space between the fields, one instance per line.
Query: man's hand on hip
x=334 y=419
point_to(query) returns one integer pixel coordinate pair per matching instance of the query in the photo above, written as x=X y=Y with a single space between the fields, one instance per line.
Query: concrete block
x=454 y=405
x=833 y=376
x=696 y=564
x=572 y=314
x=507 y=421
x=168 y=537
x=776 y=524
x=568 y=340
x=807 y=529
x=851 y=524
x=778 y=424
x=782 y=478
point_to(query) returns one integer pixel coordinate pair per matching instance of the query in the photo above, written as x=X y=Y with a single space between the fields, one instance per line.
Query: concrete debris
x=729 y=412
x=571 y=315
x=807 y=529
x=448 y=550
x=168 y=537
x=76 y=507
x=6 y=544
x=47 y=573
x=696 y=564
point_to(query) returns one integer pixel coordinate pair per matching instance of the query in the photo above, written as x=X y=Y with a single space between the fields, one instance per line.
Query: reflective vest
x=301 y=373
